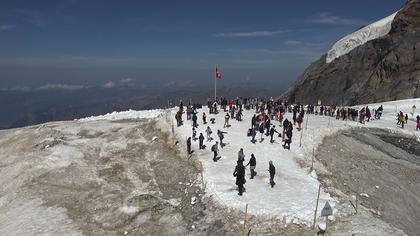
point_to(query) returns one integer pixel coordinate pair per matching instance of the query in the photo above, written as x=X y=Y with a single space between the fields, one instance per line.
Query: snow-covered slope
x=293 y=199
x=126 y=115
x=360 y=37
x=105 y=175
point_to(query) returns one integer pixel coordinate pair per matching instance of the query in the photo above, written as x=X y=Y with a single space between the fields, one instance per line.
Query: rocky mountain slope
x=377 y=63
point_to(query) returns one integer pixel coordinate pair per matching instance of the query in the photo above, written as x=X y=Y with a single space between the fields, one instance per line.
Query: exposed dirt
x=382 y=164
x=143 y=188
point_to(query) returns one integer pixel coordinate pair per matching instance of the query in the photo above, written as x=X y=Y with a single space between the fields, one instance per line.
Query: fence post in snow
x=357 y=202
x=246 y=214
x=313 y=156
x=316 y=208
x=300 y=141
x=202 y=182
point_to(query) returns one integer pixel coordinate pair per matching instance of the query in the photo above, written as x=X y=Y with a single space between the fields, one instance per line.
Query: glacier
x=348 y=43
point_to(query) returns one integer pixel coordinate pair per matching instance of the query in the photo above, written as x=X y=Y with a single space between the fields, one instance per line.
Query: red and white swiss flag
x=217 y=74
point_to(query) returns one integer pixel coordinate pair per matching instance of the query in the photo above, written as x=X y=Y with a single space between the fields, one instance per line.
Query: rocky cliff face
x=386 y=68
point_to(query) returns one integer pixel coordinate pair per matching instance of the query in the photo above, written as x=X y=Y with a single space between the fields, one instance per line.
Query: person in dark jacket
x=272 y=131
x=253 y=121
x=294 y=115
x=285 y=125
x=215 y=150
x=239 y=173
x=221 y=136
x=272 y=171
x=189 y=145
x=194 y=119
x=252 y=163
x=253 y=134
x=261 y=129
x=204 y=118
x=368 y=114
x=201 y=140
x=267 y=127
x=289 y=134
x=181 y=106
x=418 y=122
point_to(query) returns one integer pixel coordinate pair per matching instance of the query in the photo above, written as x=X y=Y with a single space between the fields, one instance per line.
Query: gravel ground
x=382 y=168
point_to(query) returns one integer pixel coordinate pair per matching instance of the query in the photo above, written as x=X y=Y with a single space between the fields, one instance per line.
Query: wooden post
x=313 y=156
x=300 y=141
x=202 y=181
x=316 y=208
x=357 y=199
x=246 y=214
x=326 y=223
x=215 y=87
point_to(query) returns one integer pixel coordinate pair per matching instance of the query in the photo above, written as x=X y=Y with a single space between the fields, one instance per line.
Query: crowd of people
x=268 y=114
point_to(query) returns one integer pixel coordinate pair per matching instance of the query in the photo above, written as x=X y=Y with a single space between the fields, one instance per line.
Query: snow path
x=348 y=43
x=294 y=196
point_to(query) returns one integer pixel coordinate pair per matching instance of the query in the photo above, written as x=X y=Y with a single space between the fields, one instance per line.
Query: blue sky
x=89 y=42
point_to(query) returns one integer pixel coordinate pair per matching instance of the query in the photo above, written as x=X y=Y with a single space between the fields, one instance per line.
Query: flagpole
x=215 y=80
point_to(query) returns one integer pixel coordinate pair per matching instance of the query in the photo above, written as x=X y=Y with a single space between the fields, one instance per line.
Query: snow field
x=125 y=115
x=293 y=198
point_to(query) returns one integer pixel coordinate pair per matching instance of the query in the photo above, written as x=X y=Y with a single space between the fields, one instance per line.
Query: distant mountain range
x=23 y=108
x=379 y=62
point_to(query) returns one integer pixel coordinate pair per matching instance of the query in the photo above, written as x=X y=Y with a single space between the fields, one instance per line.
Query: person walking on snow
x=368 y=114
x=241 y=155
x=299 y=120
x=418 y=122
x=252 y=163
x=194 y=134
x=289 y=134
x=221 y=136
x=194 y=119
x=253 y=134
x=189 y=145
x=285 y=125
x=226 y=120
x=267 y=127
x=215 y=150
x=272 y=131
x=204 y=118
x=200 y=141
x=401 y=119
x=239 y=173
x=208 y=132
x=261 y=129
x=253 y=121
x=272 y=171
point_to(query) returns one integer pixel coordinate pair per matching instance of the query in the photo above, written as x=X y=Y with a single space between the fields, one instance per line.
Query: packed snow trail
x=294 y=196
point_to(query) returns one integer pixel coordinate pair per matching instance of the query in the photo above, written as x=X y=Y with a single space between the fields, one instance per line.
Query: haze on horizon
x=76 y=44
